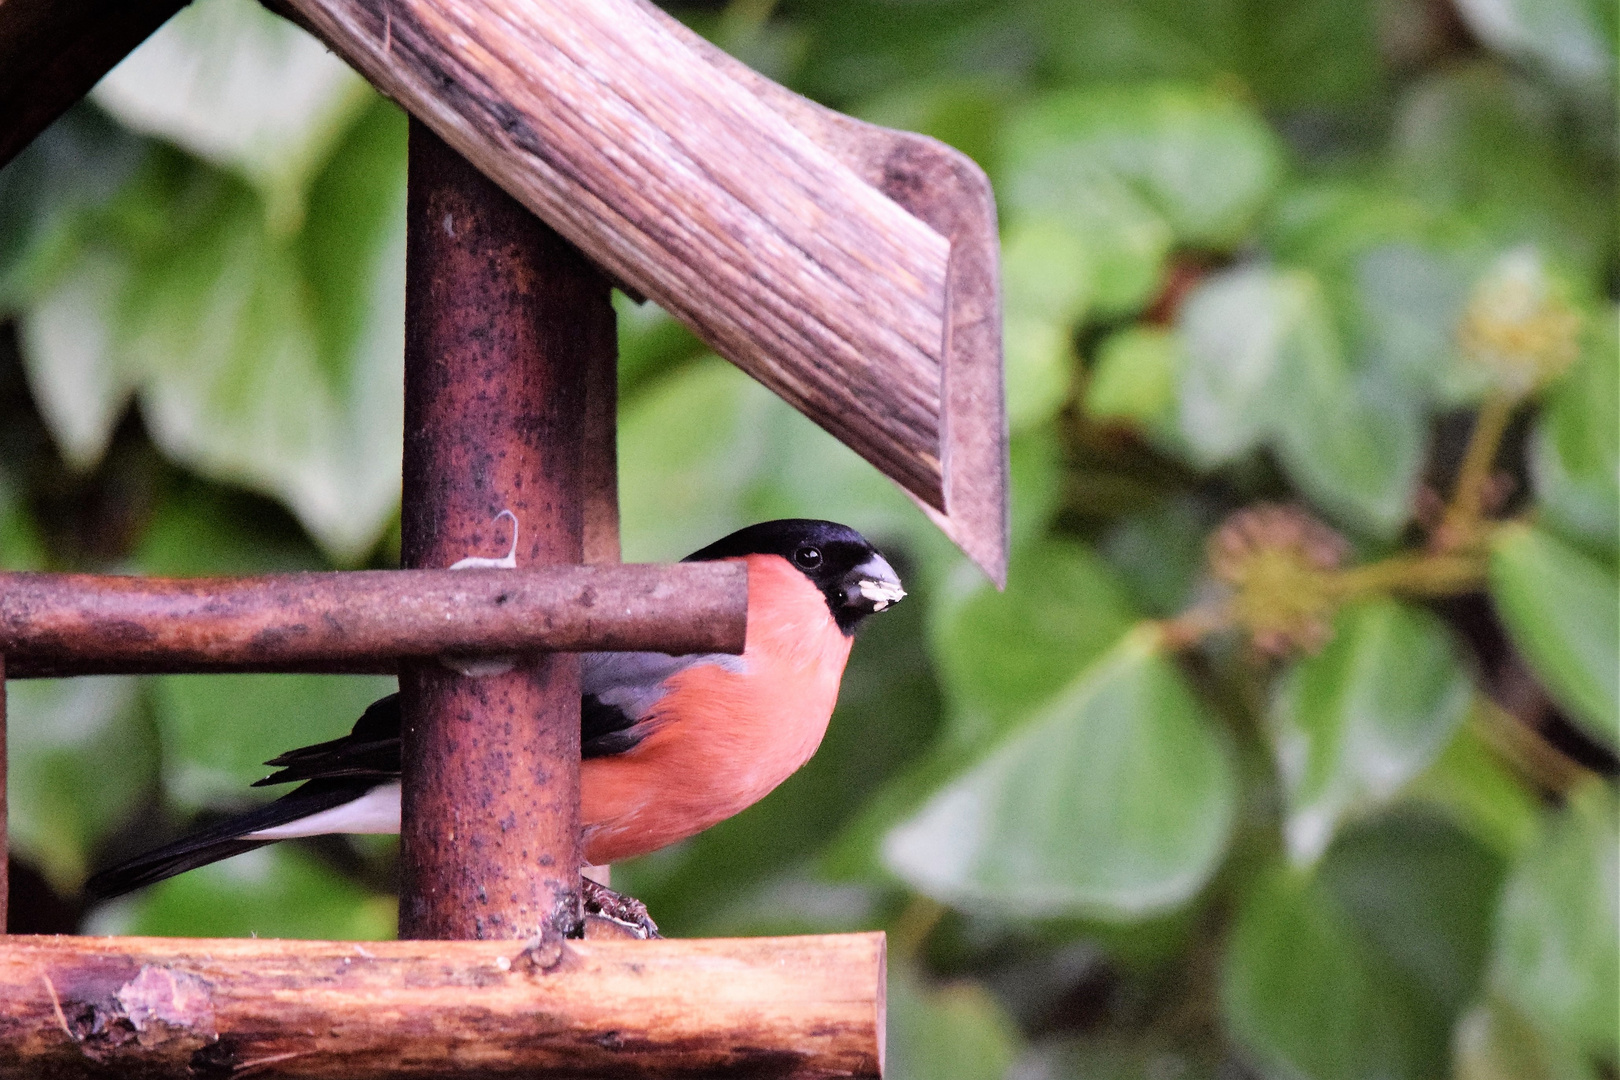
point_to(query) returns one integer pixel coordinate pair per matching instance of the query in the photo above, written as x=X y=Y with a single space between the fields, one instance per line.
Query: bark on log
x=850 y=269
x=360 y=621
x=778 y=1007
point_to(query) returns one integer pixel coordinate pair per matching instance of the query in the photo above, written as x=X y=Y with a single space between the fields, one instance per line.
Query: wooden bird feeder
x=556 y=146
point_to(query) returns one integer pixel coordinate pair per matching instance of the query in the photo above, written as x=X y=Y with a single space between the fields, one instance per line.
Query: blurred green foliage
x=1289 y=750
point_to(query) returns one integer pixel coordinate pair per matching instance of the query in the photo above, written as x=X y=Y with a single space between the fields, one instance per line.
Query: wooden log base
x=776 y=1007
x=361 y=621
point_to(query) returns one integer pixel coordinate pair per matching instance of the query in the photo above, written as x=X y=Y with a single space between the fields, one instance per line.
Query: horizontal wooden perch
x=361 y=621
x=774 y=1007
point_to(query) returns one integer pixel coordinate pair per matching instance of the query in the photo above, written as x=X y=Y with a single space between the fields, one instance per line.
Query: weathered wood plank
x=688 y=188
x=81 y=624
x=781 y=1007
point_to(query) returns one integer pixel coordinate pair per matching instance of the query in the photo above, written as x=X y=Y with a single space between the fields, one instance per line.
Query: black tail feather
x=223 y=840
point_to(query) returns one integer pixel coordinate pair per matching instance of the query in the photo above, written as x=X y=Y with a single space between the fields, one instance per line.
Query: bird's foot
x=626 y=913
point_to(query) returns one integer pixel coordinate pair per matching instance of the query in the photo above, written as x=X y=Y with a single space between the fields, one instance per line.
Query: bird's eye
x=808 y=558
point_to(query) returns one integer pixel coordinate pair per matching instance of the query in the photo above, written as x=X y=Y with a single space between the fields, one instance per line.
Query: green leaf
x=1161 y=553
x=82 y=758
x=1116 y=803
x=271 y=892
x=1004 y=655
x=1557 y=955
x=1239 y=328
x=951 y=1032
x=52 y=196
x=1495 y=1042
x=1574 y=452
x=1559 y=608
x=218 y=732
x=1135 y=377
x=1315 y=54
x=706 y=450
x=1204 y=160
x=20 y=544
x=242 y=88
x=268 y=361
x=1264 y=363
x=967 y=113
x=1360 y=969
x=1482 y=142
x=651 y=343
x=1354 y=724
x=1471 y=785
x=1046 y=282
x=1572 y=40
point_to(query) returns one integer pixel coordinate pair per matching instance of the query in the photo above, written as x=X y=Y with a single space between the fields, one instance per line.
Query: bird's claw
x=626 y=912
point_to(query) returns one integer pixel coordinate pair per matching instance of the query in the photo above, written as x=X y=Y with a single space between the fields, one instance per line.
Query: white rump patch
x=377 y=811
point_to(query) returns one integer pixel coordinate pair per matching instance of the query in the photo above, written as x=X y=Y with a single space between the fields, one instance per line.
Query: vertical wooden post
x=502 y=318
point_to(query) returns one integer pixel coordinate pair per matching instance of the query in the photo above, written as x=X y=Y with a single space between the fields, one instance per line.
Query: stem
x=1419 y=574
x=1193 y=625
x=1468 y=496
x=916 y=922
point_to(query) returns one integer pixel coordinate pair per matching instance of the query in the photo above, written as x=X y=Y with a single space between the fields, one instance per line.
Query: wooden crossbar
x=776 y=1007
x=360 y=621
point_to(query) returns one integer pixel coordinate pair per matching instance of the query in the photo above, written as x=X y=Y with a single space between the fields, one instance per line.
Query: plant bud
x=1280 y=562
x=1519 y=327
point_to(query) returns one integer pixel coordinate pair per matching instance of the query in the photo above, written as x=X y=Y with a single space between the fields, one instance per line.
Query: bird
x=670 y=745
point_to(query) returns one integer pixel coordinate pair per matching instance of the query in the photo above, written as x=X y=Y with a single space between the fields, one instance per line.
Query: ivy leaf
x=1495 y=1041
x=1004 y=655
x=1361 y=968
x=1239 y=328
x=1266 y=365
x=82 y=757
x=53 y=194
x=218 y=732
x=1047 y=288
x=1558 y=606
x=953 y=1032
x=276 y=891
x=1557 y=954
x=1572 y=40
x=1480 y=141
x=1353 y=724
x=1575 y=449
x=1471 y=784
x=264 y=360
x=1202 y=159
x=1135 y=378
x=242 y=88
x=1116 y=803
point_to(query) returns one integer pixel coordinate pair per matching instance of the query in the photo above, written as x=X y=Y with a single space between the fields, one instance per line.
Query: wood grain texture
x=944 y=188
x=158 y=1007
x=53 y=51
x=361 y=621
x=689 y=189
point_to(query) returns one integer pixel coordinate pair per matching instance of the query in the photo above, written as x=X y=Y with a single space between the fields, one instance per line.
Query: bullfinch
x=670 y=744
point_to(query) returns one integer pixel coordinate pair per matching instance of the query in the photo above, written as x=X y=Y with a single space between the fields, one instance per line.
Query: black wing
x=227 y=838
x=620 y=689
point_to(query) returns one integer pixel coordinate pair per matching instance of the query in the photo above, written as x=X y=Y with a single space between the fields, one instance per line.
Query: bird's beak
x=873 y=583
